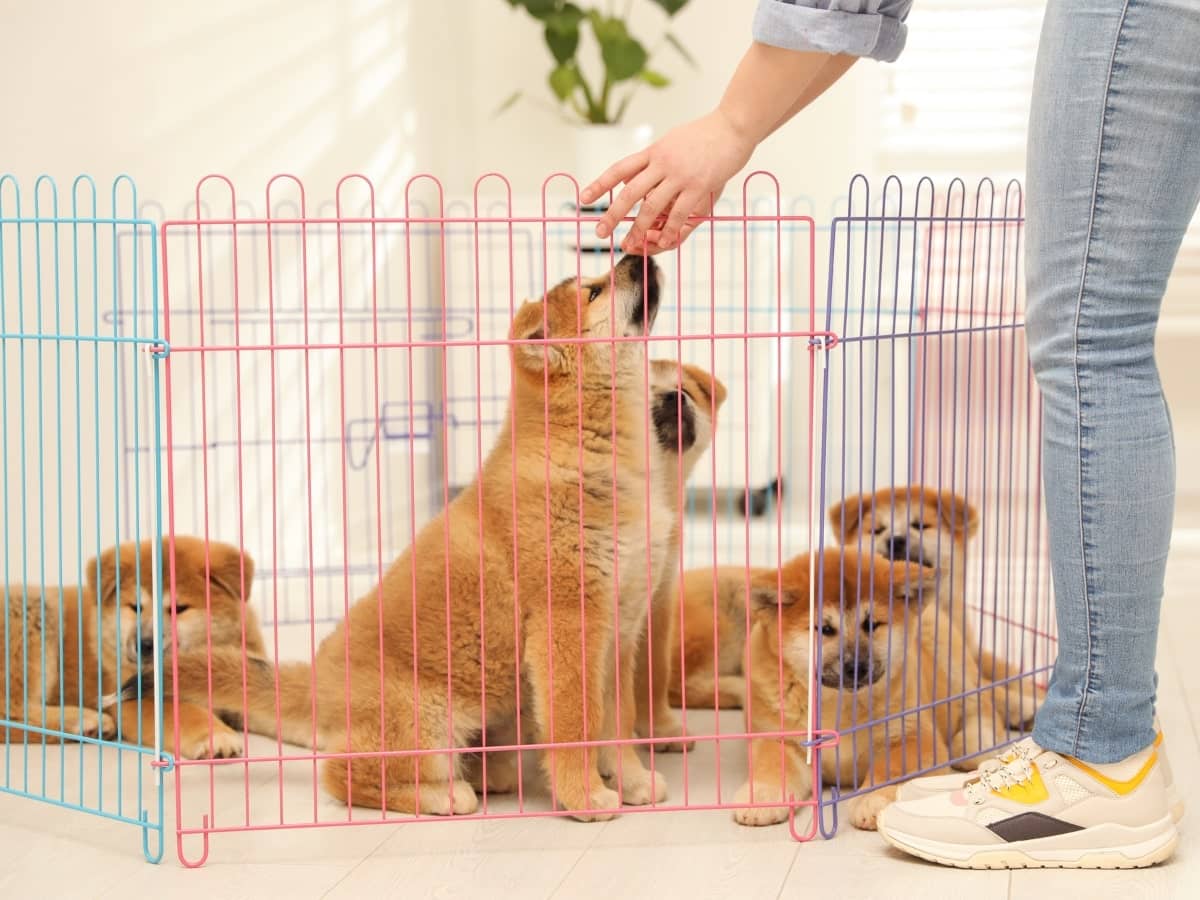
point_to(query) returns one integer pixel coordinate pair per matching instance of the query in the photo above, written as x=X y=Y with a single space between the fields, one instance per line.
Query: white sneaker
x=1037 y=809
x=936 y=784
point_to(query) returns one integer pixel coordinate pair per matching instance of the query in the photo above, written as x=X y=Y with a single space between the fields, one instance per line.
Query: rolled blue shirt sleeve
x=871 y=28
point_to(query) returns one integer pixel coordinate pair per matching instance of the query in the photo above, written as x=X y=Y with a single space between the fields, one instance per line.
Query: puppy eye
x=182 y=609
x=880 y=530
x=828 y=630
x=870 y=625
x=921 y=526
x=596 y=291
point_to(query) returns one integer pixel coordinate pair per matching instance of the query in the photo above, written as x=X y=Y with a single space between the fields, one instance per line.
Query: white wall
x=172 y=91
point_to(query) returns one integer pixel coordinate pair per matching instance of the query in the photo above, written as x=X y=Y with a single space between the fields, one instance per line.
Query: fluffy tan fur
x=936 y=528
x=867 y=626
x=712 y=603
x=520 y=584
x=45 y=632
x=684 y=433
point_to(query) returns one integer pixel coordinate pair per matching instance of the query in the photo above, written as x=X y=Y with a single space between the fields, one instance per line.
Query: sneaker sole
x=915 y=793
x=1110 y=853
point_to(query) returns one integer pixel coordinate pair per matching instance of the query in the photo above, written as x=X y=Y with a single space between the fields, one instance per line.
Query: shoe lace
x=1013 y=753
x=1012 y=768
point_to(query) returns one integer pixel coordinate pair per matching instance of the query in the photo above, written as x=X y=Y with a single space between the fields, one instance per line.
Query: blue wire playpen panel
x=78 y=321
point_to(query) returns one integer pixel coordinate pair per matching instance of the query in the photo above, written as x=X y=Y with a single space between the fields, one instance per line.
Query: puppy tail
x=757 y=502
x=227 y=683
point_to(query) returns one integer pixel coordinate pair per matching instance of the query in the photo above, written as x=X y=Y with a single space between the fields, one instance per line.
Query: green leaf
x=562 y=32
x=607 y=29
x=568 y=16
x=654 y=79
x=672 y=6
x=680 y=49
x=507 y=104
x=562 y=42
x=623 y=57
x=563 y=80
x=539 y=9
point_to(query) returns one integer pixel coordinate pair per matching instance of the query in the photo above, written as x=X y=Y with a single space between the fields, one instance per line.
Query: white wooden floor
x=51 y=852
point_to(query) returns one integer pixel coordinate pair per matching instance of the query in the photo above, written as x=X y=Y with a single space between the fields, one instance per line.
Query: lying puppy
x=935 y=529
x=684 y=404
x=521 y=569
x=868 y=624
x=712 y=602
x=53 y=687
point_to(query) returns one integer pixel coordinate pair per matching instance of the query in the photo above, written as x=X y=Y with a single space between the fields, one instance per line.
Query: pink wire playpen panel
x=338 y=374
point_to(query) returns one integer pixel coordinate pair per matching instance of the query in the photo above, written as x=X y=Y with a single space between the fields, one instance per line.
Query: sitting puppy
x=684 y=404
x=866 y=625
x=515 y=582
x=55 y=688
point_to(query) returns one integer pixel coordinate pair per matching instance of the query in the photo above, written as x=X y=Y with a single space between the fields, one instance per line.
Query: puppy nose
x=898 y=548
x=146 y=646
x=638 y=265
x=856 y=672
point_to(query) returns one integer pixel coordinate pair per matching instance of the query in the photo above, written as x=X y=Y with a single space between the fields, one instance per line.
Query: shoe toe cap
x=941 y=817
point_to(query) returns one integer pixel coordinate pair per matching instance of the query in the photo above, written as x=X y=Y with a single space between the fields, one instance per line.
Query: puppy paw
x=639 y=787
x=865 y=809
x=462 y=800
x=759 y=815
x=226 y=744
x=95 y=725
x=600 y=800
x=445 y=799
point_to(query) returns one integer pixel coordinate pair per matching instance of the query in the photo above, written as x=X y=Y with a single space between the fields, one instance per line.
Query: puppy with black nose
x=862 y=631
x=935 y=529
x=684 y=403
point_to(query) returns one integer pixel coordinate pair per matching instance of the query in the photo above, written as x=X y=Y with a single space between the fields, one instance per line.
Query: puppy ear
x=767 y=594
x=134 y=562
x=845 y=516
x=101 y=574
x=956 y=512
x=229 y=570
x=529 y=325
x=709 y=384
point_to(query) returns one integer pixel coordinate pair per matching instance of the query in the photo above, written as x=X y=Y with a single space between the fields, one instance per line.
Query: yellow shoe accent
x=1120 y=788
x=1030 y=791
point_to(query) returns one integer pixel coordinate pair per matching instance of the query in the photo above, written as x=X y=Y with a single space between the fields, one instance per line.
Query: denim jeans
x=1113 y=180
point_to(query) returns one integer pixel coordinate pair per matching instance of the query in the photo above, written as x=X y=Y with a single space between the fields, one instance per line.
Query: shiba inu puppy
x=684 y=404
x=64 y=644
x=935 y=529
x=524 y=578
x=866 y=626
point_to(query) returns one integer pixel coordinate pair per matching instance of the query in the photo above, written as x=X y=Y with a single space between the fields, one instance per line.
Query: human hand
x=676 y=177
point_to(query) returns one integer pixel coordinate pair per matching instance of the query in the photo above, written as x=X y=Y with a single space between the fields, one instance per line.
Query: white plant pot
x=599 y=146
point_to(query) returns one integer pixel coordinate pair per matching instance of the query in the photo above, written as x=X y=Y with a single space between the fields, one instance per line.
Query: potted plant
x=597 y=102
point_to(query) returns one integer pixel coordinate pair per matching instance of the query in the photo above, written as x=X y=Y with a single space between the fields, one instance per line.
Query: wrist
x=737 y=124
